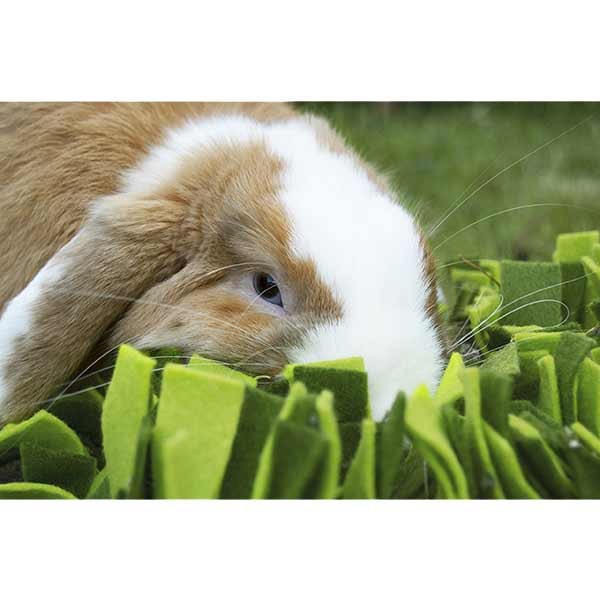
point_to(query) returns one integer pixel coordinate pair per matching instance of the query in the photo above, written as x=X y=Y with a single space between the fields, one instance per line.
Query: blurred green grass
x=435 y=153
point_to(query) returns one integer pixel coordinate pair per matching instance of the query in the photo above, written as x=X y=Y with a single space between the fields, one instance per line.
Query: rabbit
x=248 y=233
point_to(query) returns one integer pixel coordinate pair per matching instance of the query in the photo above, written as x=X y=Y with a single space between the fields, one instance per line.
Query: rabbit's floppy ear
x=127 y=244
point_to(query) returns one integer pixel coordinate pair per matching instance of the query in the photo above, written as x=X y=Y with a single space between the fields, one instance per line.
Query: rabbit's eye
x=266 y=287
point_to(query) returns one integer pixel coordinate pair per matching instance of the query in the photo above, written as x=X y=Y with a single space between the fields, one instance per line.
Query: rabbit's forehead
x=332 y=222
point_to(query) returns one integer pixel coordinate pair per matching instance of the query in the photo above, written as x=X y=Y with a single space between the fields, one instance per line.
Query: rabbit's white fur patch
x=366 y=247
x=16 y=320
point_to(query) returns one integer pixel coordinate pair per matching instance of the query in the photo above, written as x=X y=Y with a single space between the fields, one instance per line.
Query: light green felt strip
x=504 y=361
x=525 y=283
x=72 y=472
x=514 y=483
x=423 y=422
x=206 y=365
x=450 y=388
x=328 y=487
x=127 y=403
x=571 y=247
x=25 y=490
x=543 y=460
x=532 y=342
x=42 y=429
x=195 y=427
x=591 y=441
x=592 y=290
x=487 y=480
x=595 y=355
x=391 y=449
x=360 y=480
x=588 y=395
x=549 y=399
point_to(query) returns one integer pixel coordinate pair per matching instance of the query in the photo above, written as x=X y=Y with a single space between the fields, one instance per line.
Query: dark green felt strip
x=257 y=417
x=532 y=293
x=488 y=483
x=72 y=472
x=496 y=394
x=391 y=448
x=349 y=388
x=570 y=352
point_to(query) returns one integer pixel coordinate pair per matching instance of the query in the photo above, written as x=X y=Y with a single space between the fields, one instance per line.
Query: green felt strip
x=450 y=388
x=595 y=355
x=549 y=399
x=352 y=363
x=257 y=417
x=592 y=290
x=485 y=307
x=42 y=429
x=33 y=491
x=487 y=480
x=585 y=467
x=424 y=424
x=391 y=448
x=195 y=427
x=295 y=456
x=206 y=365
x=506 y=463
x=588 y=395
x=349 y=388
x=298 y=453
x=504 y=361
x=455 y=427
x=350 y=437
x=496 y=394
x=541 y=457
x=72 y=472
x=360 y=480
x=138 y=487
x=573 y=290
x=532 y=293
x=100 y=488
x=528 y=383
x=571 y=247
x=328 y=486
x=570 y=352
x=127 y=403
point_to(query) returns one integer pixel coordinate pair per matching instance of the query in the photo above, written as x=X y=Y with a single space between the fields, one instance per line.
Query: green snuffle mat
x=516 y=415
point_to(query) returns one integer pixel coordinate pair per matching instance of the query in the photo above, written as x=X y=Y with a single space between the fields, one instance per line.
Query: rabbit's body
x=152 y=224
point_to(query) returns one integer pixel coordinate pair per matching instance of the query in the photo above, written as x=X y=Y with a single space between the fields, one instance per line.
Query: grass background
x=437 y=152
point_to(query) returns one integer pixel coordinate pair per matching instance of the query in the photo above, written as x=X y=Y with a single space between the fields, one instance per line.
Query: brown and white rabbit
x=245 y=232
